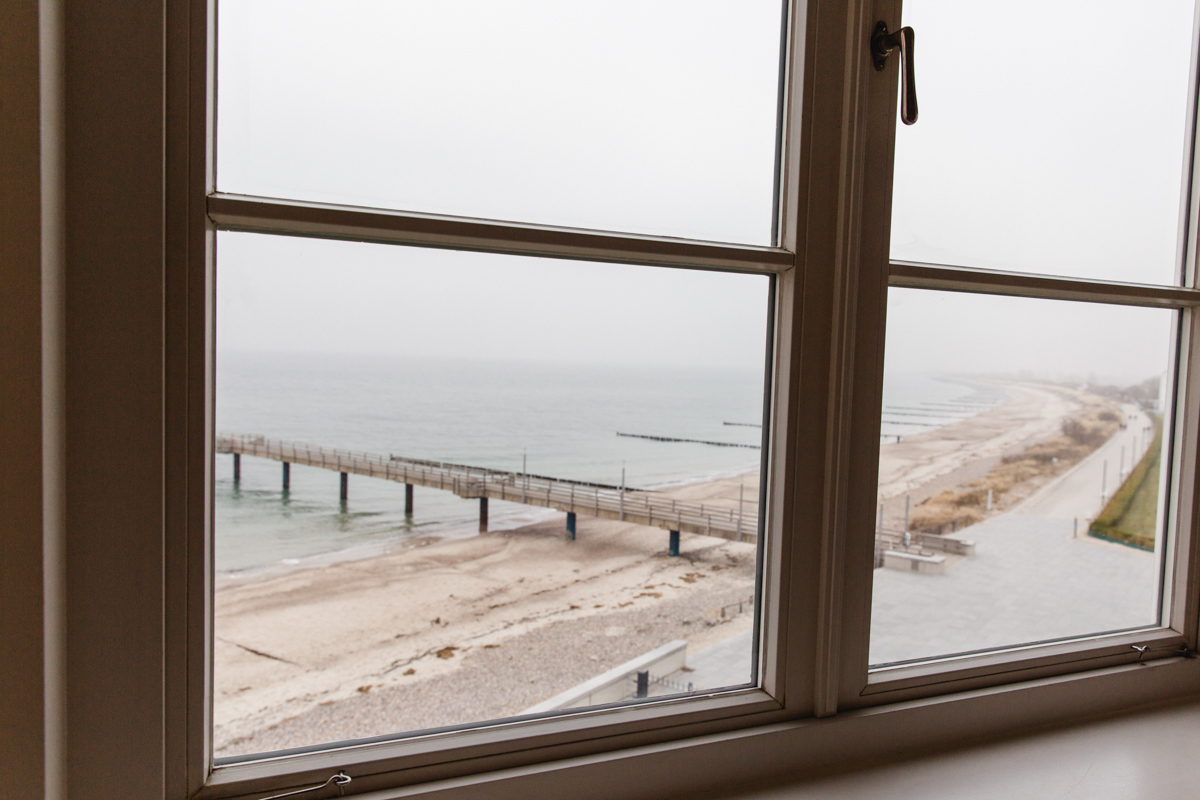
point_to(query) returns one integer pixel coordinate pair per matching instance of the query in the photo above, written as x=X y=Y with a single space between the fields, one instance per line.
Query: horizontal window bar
x=986 y=281
x=350 y=223
x=946 y=672
x=489 y=741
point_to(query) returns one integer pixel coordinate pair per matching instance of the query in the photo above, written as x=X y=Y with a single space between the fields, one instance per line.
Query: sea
x=551 y=419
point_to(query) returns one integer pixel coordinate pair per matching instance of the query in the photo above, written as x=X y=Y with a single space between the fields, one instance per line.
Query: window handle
x=882 y=44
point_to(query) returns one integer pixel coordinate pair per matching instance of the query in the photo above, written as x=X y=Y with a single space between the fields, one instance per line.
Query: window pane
x=1021 y=478
x=350 y=606
x=648 y=116
x=1040 y=154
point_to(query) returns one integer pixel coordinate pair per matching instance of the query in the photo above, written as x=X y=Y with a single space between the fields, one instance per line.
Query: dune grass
x=1081 y=434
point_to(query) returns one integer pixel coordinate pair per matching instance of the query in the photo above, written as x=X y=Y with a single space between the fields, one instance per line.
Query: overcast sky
x=655 y=116
x=1051 y=139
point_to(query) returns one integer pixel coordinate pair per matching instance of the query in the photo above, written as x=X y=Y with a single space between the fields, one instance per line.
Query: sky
x=652 y=116
x=1037 y=149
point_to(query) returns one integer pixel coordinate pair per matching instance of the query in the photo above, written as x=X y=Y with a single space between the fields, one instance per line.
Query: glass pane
x=464 y=433
x=1038 y=153
x=1021 y=480
x=648 y=116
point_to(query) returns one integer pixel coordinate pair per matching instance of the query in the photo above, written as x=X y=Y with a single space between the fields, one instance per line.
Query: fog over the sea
x=659 y=116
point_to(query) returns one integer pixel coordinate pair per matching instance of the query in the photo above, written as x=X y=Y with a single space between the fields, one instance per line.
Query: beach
x=450 y=632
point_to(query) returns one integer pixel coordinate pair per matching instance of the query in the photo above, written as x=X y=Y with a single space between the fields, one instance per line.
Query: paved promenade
x=1030 y=580
x=723 y=664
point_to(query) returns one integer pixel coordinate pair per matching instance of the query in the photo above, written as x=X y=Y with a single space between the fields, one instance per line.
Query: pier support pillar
x=237 y=467
x=571 y=525
x=287 y=476
x=408 y=504
x=345 y=487
x=483 y=522
x=673 y=547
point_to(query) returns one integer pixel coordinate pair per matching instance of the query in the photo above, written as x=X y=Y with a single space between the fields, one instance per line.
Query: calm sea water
x=562 y=419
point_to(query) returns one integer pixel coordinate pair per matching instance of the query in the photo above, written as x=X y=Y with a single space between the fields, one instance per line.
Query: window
x=142 y=430
x=1022 y=283
x=546 y=398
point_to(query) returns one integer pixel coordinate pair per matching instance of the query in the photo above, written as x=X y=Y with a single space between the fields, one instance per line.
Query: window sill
x=811 y=748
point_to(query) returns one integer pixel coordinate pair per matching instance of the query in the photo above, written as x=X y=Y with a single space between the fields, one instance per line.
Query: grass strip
x=1130 y=517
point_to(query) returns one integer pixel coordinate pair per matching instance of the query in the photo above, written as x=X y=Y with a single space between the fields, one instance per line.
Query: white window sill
x=1006 y=727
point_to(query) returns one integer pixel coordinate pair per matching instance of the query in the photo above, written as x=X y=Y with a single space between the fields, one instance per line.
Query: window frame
x=656 y=721
x=831 y=271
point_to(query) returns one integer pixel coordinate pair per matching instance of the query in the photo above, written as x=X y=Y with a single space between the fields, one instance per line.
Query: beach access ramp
x=638 y=506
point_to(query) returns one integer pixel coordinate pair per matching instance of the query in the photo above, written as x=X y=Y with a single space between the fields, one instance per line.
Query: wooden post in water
x=408 y=503
x=287 y=476
x=345 y=493
x=483 y=520
x=237 y=468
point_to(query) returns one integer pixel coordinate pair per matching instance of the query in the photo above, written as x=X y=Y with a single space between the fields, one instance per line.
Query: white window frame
x=134 y=403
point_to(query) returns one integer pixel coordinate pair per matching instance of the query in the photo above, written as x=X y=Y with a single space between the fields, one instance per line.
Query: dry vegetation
x=1083 y=432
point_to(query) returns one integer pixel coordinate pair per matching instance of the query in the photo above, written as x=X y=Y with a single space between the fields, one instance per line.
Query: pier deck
x=578 y=497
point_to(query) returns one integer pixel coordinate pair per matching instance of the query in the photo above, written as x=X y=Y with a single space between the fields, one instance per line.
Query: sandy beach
x=445 y=633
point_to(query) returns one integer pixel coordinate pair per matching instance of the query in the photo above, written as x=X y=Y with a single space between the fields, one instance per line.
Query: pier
x=602 y=501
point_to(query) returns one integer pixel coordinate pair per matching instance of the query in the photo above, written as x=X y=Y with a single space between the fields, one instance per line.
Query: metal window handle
x=882 y=44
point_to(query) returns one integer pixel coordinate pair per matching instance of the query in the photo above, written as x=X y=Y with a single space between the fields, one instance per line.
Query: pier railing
x=639 y=506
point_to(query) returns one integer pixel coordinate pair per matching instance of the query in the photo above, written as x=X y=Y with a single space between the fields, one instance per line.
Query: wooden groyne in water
x=691 y=441
x=603 y=501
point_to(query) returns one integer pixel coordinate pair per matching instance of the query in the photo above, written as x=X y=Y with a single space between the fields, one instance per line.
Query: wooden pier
x=603 y=501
